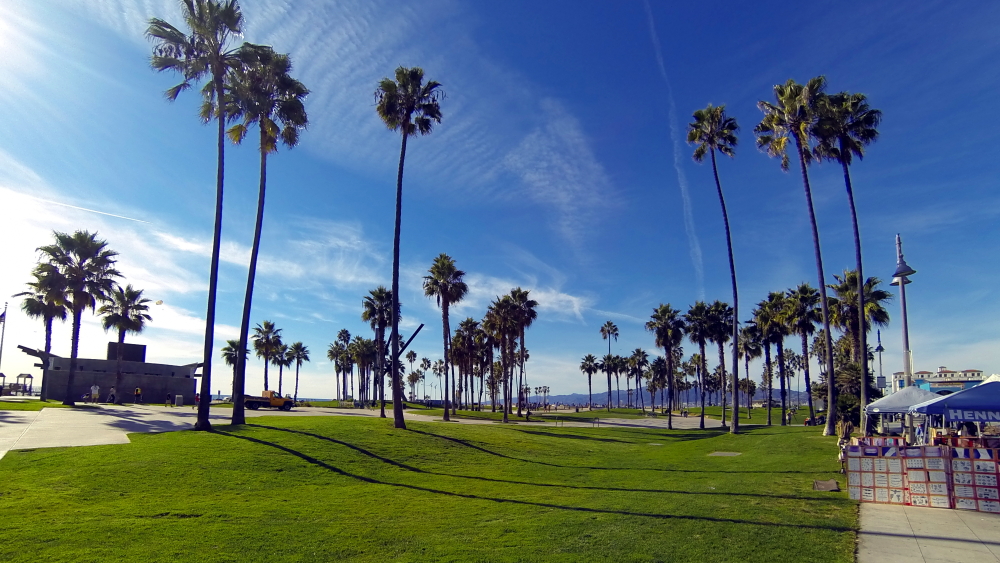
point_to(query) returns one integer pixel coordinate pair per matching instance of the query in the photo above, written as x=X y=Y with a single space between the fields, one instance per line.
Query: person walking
x=170 y=400
x=138 y=396
x=95 y=393
x=112 y=396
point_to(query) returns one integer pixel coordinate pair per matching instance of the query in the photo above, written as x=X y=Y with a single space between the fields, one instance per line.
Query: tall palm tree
x=46 y=300
x=334 y=353
x=502 y=325
x=801 y=315
x=699 y=329
x=87 y=266
x=608 y=331
x=344 y=337
x=667 y=327
x=526 y=314
x=266 y=339
x=721 y=316
x=777 y=333
x=410 y=106
x=714 y=131
x=375 y=309
x=126 y=310
x=281 y=361
x=637 y=363
x=262 y=93
x=203 y=54
x=589 y=366
x=445 y=283
x=792 y=117
x=297 y=353
x=846 y=125
x=750 y=348
x=231 y=355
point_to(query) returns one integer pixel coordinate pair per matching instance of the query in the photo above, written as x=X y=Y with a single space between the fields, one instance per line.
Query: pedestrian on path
x=111 y=396
x=170 y=401
x=138 y=396
x=95 y=393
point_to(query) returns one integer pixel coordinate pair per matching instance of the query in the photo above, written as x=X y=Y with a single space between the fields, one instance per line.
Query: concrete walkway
x=908 y=534
x=110 y=424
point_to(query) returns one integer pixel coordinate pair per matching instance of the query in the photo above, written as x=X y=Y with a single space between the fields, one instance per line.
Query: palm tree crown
x=262 y=92
x=126 y=311
x=712 y=130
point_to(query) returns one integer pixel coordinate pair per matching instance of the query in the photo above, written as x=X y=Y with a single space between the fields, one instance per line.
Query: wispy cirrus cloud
x=494 y=128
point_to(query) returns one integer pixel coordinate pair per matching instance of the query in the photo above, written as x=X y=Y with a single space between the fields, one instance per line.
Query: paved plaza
x=910 y=534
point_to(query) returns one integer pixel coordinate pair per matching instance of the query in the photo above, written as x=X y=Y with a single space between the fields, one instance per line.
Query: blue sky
x=560 y=166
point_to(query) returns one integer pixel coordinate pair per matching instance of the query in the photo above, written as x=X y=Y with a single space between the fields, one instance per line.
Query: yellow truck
x=269 y=399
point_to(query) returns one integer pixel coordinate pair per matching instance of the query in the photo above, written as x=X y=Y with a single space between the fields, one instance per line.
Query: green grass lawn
x=536 y=415
x=756 y=416
x=32 y=405
x=354 y=489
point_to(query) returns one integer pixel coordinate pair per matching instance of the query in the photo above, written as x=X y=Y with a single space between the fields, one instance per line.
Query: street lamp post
x=900 y=278
x=879 y=350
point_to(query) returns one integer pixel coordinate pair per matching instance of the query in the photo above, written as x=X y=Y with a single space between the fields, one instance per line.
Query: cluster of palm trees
x=803 y=122
x=794 y=313
x=268 y=346
x=251 y=85
x=75 y=273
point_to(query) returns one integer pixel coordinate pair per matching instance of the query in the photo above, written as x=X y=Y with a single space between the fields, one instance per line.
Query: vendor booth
x=976 y=404
x=892 y=408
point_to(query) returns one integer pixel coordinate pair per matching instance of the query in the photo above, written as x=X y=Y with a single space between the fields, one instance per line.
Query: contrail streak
x=85 y=209
x=692 y=235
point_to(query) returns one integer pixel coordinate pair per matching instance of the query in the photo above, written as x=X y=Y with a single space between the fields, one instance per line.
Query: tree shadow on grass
x=527 y=483
x=571 y=436
x=468 y=444
x=373 y=481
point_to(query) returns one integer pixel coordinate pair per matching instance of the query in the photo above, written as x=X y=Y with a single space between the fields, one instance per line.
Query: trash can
x=178 y=400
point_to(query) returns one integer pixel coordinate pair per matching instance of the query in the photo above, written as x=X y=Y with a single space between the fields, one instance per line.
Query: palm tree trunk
x=701 y=376
x=213 y=276
x=380 y=369
x=862 y=355
x=521 y=376
x=590 y=393
x=769 y=375
x=74 y=349
x=831 y=409
x=44 y=394
x=447 y=337
x=506 y=382
x=281 y=375
x=118 y=363
x=618 y=389
x=670 y=387
x=735 y=428
x=781 y=379
x=722 y=381
x=295 y=397
x=746 y=368
x=397 y=402
x=805 y=371
x=239 y=387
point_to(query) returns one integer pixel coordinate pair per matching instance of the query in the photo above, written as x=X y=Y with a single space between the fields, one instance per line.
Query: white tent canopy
x=900 y=401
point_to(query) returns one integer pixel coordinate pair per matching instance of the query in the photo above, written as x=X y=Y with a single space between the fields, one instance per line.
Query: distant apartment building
x=943 y=382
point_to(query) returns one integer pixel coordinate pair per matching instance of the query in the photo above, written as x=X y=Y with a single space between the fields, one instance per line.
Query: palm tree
x=845 y=311
x=667 y=327
x=87 y=266
x=526 y=314
x=609 y=331
x=409 y=106
x=344 y=337
x=501 y=323
x=375 y=311
x=721 y=316
x=280 y=361
x=714 y=131
x=125 y=311
x=793 y=116
x=589 y=366
x=445 y=283
x=777 y=333
x=266 y=339
x=845 y=127
x=750 y=348
x=297 y=353
x=801 y=315
x=262 y=92
x=637 y=363
x=203 y=54
x=46 y=300
x=231 y=355
x=699 y=329
x=334 y=353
